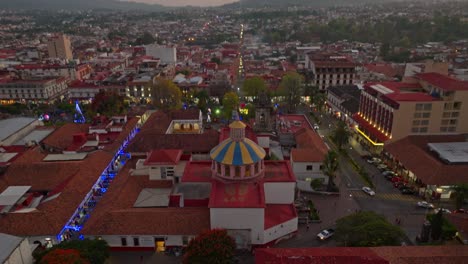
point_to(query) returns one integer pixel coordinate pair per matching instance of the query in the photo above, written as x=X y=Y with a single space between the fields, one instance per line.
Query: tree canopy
x=230 y=103
x=213 y=246
x=254 y=86
x=292 y=88
x=461 y=194
x=367 y=229
x=108 y=103
x=341 y=134
x=166 y=95
x=90 y=251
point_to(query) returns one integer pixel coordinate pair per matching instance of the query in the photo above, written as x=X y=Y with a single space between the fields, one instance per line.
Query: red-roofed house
x=236 y=190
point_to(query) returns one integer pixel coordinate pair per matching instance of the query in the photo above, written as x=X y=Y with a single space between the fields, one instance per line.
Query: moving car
x=325 y=234
x=425 y=204
x=368 y=190
x=316 y=126
x=444 y=210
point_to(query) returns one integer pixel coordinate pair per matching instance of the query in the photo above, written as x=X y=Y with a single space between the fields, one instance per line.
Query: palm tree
x=341 y=135
x=329 y=168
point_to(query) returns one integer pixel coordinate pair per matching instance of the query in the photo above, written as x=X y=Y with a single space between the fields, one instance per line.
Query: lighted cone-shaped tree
x=210 y=247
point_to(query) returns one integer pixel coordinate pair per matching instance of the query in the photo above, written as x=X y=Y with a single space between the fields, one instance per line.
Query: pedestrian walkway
x=386 y=196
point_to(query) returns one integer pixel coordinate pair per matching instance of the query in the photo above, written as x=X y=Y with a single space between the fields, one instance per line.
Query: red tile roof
x=443 y=82
x=423 y=254
x=413 y=153
x=164 y=156
x=115 y=214
x=317 y=256
x=276 y=214
x=310 y=147
x=197 y=171
x=236 y=195
x=62 y=137
x=278 y=171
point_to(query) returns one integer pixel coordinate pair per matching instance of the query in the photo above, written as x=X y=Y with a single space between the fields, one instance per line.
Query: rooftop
x=276 y=214
x=293 y=123
x=237 y=195
x=115 y=214
x=164 y=156
x=413 y=152
x=443 y=82
x=12 y=125
x=453 y=152
x=9 y=244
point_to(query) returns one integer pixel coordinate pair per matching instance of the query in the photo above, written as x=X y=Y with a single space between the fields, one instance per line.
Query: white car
x=325 y=234
x=425 y=204
x=388 y=173
x=444 y=210
x=374 y=161
x=316 y=127
x=382 y=167
x=368 y=190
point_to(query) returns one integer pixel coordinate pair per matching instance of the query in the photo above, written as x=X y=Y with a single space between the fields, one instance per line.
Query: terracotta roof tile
x=413 y=153
x=63 y=136
x=310 y=146
x=115 y=213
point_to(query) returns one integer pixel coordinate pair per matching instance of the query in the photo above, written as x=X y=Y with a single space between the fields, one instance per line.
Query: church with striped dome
x=237 y=158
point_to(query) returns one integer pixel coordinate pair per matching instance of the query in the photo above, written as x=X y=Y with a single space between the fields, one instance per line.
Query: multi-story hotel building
x=330 y=69
x=434 y=105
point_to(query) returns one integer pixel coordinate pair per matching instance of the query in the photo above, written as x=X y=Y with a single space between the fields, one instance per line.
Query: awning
x=370 y=131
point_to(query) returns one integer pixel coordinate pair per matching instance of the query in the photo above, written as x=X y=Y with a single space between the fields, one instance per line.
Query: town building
x=343 y=101
x=329 y=69
x=164 y=198
x=410 y=158
x=86 y=91
x=59 y=46
x=49 y=189
x=436 y=104
x=37 y=90
x=167 y=55
x=72 y=72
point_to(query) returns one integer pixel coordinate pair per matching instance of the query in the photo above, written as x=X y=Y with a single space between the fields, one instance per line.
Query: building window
x=414 y=130
x=451 y=129
x=136 y=241
x=424 y=122
x=426 y=115
x=309 y=167
x=123 y=241
x=185 y=240
x=419 y=107
x=423 y=130
x=427 y=107
x=417 y=115
x=457 y=105
x=455 y=114
x=416 y=122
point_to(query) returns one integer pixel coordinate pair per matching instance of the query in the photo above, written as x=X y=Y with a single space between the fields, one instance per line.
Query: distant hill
x=77 y=5
x=310 y=3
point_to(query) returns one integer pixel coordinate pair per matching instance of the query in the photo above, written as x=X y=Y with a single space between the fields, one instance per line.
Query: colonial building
x=330 y=69
x=38 y=90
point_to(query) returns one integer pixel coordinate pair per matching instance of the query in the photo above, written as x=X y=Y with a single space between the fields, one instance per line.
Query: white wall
x=240 y=218
x=165 y=54
x=21 y=255
x=301 y=172
x=280 y=230
x=279 y=192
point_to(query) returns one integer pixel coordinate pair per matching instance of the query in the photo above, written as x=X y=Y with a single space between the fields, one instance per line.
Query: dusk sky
x=186 y=2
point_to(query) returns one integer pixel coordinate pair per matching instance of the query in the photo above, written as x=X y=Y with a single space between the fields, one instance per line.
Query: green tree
x=329 y=168
x=94 y=251
x=367 y=229
x=461 y=194
x=203 y=99
x=436 y=226
x=315 y=184
x=213 y=246
x=216 y=60
x=292 y=88
x=108 y=103
x=254 y=86
x=341 y=134
x=230 y=103
x=166 y=95
x=145 y=39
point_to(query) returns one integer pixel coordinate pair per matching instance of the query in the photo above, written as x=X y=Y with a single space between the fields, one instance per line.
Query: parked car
x=382 y=167
x=399 y=185
x=425 y=204
x=374 y=161
x=368 y=190
x=396 y=179
x=325 y=234
x=389 y=177
x=316 y=126
x=444 y=210
x=407 y=191
x=389 y=173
